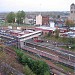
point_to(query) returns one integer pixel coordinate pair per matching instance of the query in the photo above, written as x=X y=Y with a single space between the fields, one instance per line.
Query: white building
x=39 y=20
x=52 y=24
x=27 y=21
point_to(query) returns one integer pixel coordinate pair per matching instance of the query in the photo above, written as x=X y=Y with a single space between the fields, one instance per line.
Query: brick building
x=42 y=20
x=45 y=20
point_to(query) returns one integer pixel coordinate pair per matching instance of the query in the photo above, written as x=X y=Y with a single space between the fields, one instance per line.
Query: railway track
x=53 y=66
x=51 y=56
x=48 y=50
x=60 y=55
x=12 y=53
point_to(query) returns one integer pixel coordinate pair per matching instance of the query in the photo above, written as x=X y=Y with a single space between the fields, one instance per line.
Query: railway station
x=37 y=40
x=11 y=36
x=20 y=38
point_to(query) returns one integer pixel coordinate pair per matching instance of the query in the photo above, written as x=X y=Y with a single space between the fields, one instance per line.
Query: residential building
x=27 y=21
x=39 y=20
x=42 y=20
x=59 y=23
x=45 y=20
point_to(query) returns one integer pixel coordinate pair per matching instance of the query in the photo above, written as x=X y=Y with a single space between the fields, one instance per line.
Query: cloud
x=35 y=5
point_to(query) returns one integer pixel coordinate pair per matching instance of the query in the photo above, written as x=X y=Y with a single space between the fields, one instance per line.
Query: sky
x=35 y=5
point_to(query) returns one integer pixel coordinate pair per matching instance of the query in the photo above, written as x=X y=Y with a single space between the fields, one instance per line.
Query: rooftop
x=46 y=28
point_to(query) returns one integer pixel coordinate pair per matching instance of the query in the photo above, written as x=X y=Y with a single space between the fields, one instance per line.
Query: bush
x=28 y=71
x=38 y=67
x=73 y=46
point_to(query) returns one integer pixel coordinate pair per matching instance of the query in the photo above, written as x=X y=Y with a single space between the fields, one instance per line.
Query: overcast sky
x=35 y=5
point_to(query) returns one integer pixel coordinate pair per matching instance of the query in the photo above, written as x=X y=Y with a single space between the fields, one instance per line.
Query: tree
x=37 y=67
x=70 y=40
x=47 y=73
x=24 y=59
x=20 y=17
x=28 y=71
x=56 y=33
x=64 y=39
x=40 y=67
x=69 y=23
x=19 y=54
x=10 y=17
x=49 y=33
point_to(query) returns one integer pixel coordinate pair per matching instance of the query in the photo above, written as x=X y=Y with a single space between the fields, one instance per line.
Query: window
x=71 y=11
x=71 y=7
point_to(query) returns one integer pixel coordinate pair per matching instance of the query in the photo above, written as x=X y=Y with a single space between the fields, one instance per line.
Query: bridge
x=29 y=36
x=20 y=39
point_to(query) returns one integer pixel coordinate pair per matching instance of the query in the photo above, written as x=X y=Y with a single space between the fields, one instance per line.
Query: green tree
x=10 y=17
x=40 y=67
x=20 y=17
x=71 y=40
x=49 y=33
x=24 y=59
x=31 y=63
x=64 y=39
x=19 y=54
x=28 y=71
x=47 y=73
x=56 y=33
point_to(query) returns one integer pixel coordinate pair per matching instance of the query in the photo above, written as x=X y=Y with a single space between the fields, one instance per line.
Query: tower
x=72 y=12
